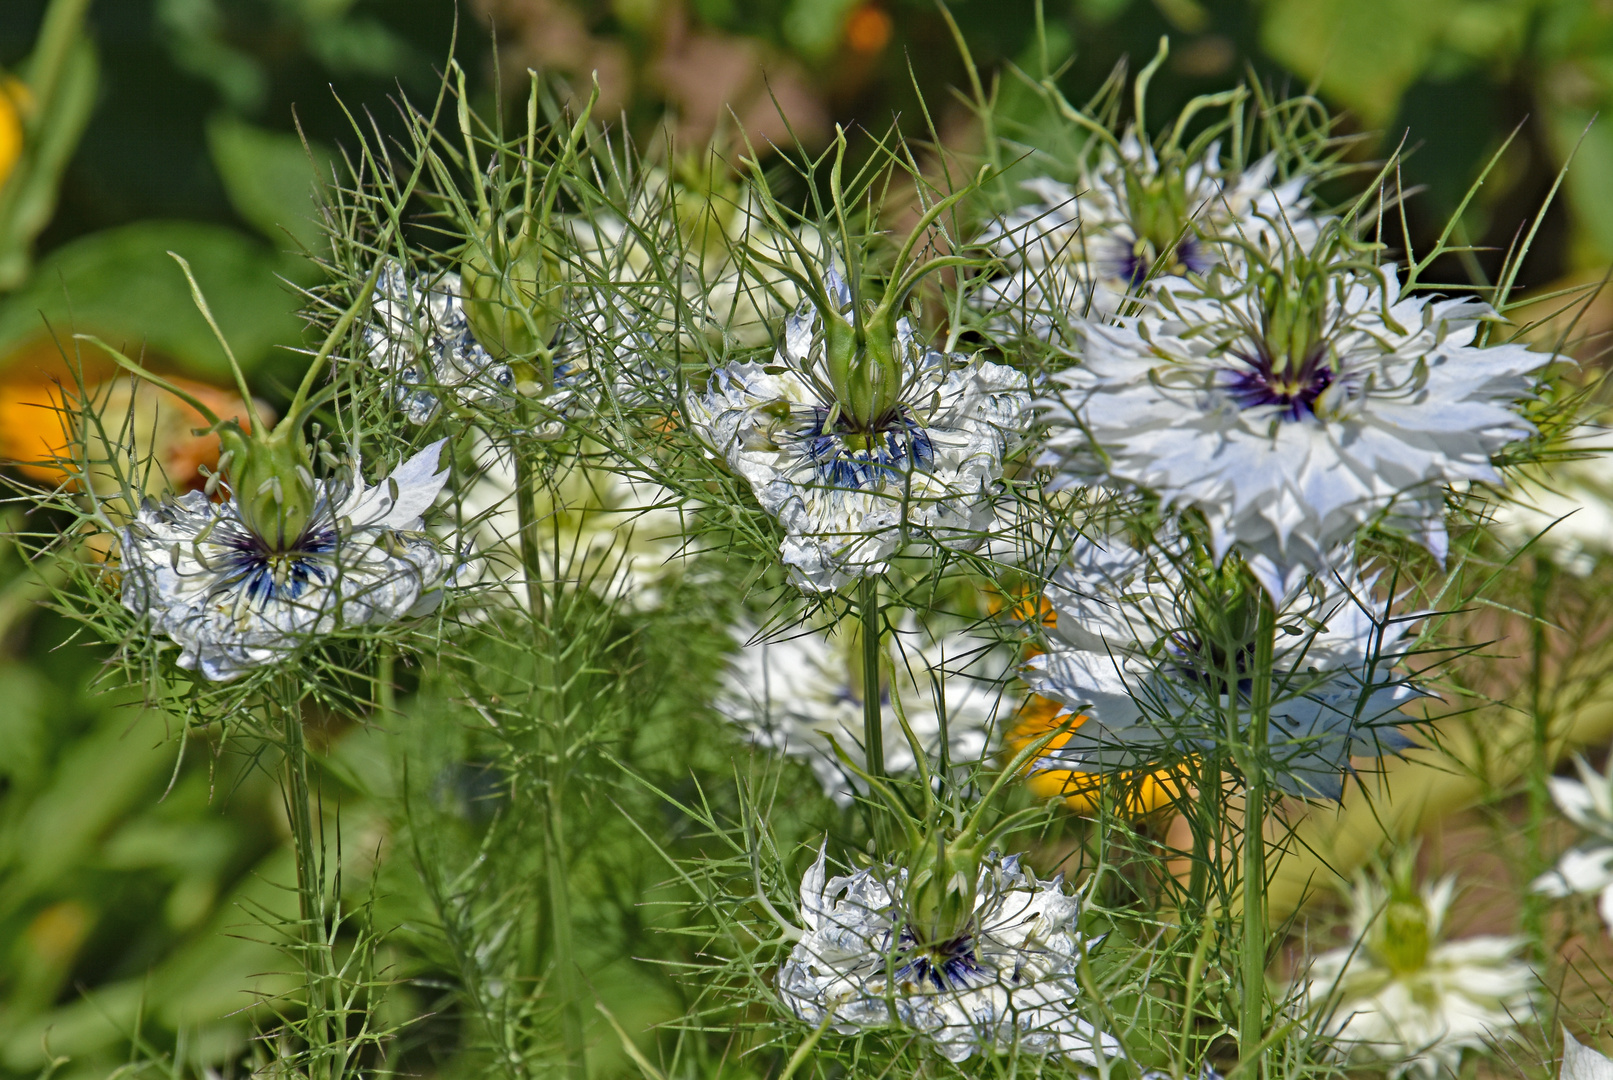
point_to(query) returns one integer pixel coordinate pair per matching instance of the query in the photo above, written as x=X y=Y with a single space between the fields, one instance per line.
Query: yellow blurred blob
x=1082 y=792
x=41 y=408
x=14 y=102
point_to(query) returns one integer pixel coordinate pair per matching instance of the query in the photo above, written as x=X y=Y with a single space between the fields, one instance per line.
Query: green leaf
x=270 y=179
x=28 y=202
x=1363 y=53
x=1590 y=179
x=121 y=285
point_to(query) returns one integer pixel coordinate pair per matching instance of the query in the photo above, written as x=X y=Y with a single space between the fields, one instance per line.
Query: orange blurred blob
x=1081 y=791
x=868 y=29
x=41 y=408
x=14 y=101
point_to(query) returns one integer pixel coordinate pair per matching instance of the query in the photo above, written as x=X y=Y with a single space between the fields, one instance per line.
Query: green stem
x=565 y=964
x=1252 y=1014
x=873 y=728
x=309 y=853
x=566 y=986
x=1540 y=765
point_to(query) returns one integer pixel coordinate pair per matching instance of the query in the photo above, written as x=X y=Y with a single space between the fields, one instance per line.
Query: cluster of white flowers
x=232 y=600
x=1010 y=981
x=1587 y=869
x=933 y=473
x=1400 y=995
x=1084 y=251
x=794 y=691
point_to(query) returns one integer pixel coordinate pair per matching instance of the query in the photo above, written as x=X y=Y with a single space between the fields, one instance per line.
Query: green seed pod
x=864 y=368
x=272 y=483
x=508 y=288
x=941 y=886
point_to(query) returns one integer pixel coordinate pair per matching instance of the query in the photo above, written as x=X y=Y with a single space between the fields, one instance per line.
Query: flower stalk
x=1253 y=750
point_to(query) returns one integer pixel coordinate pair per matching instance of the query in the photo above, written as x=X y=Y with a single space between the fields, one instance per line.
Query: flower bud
x=508 y=293
x=271 y=481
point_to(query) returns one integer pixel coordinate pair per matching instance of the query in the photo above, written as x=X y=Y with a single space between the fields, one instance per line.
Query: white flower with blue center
x=1292 y=408
x=1083 y=251
x=791 y=692
x=418 y=334
x=1008 y=980
x=233 y=600
x=1128 y=653
x=1588 y=868
x=1399 y=996
x=928 y=468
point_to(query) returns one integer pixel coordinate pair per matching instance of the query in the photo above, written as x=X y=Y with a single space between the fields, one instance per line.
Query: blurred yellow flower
x=14 y=100
x=40 y=405
x=1139 y=794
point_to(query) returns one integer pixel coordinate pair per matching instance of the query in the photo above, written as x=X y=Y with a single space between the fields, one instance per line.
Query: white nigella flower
x=1587 y=869
x=1007 y=980
x=1580 y=1062
x=927 y=467
x=794 y=691
x=1564 y=508
x=1128 y=652
x=1135 y=217
x=1400 y=995
x=233 y=600
x=419 y=335
x=1294 y=410
x=598 y=527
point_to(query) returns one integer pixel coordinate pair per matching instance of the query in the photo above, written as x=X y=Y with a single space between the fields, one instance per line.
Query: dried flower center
x=846 y=457
x=943 y=965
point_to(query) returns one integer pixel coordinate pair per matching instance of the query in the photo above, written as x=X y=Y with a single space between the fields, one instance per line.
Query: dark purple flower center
x=1292 y=386
x=947 y=965
x=1190 y=255
x=262 y=573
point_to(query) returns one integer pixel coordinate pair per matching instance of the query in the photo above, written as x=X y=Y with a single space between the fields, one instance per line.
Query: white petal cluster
x=1081 y=252
x=1587 y=869
x=1397 y=402
x=598 y=527
x=792 y=692
x=934 y=476
x=418 y=334
x=231 y=603
x=1418 y=1017
x=1126 y=653
x=1564 y=508
x=1010 y=982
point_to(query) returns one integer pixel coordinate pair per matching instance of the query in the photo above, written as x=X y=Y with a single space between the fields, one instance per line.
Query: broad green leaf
x=121 y=285
x=270 y=179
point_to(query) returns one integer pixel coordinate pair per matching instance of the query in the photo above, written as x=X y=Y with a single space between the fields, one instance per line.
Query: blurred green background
x=131 y=874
